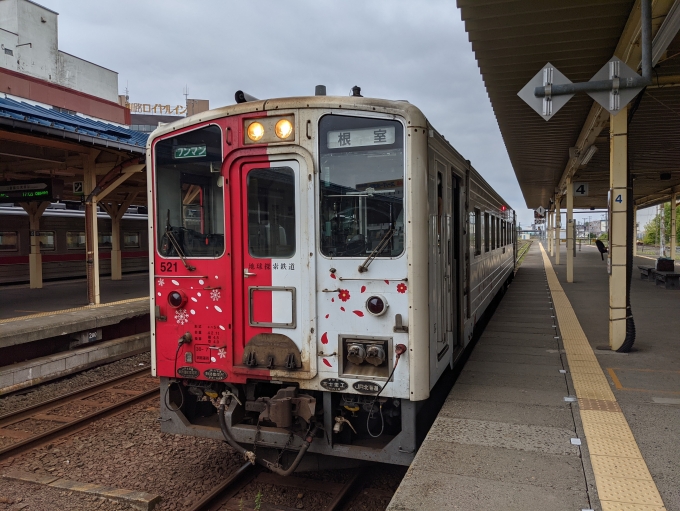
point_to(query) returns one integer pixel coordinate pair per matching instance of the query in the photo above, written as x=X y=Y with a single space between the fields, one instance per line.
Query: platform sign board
x=580 y=189
x=78 y=188
x=613 y=101
x=31 y=191
x=540 y=210
x=548 y=106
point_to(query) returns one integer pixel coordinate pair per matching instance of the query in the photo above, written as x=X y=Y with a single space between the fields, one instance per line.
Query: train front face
x=280 y=279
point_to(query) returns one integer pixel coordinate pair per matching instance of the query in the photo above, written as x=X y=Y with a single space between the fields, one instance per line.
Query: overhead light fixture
x=588 y=154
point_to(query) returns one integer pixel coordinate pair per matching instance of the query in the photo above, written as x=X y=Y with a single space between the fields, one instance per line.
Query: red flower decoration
x=324 y=338
x=401 y=288
x=333 y=276
x=327 y=362
x=359 y=313
x=327 y=316
x=343 y=295
x=342 y=309
x=363 y=289
x=387 y=282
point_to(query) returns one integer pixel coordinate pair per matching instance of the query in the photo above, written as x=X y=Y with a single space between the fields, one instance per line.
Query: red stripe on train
x=54 y=258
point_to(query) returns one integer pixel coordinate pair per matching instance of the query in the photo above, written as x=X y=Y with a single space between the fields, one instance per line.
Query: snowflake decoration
x=215 y=295
x=401 y=288
x=161 y=282
x=222 y=353
x=182 y=316
x=343 y=295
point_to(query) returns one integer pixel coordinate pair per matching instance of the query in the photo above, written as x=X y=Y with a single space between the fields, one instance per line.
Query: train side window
x=493 y=232
x=104 y=239
x=487 y=237
x=476 y=231
x=131 y=240
x=503 y=233
x=46 y=240
x=271 y=212
x=75 y=240
x=9 y=241
x=497 y=222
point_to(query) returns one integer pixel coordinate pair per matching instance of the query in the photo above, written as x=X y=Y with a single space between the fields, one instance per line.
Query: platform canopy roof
x=37 y=142
x=513 y=40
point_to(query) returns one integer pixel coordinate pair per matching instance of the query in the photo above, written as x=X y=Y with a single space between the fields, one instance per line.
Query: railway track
x=43 y=422
x=225 y=496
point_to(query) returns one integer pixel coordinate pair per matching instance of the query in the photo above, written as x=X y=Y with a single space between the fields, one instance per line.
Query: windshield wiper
x=175 y=243
x=363 y=268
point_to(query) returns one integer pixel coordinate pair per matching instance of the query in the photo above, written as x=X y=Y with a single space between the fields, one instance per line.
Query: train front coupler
x=287 y=411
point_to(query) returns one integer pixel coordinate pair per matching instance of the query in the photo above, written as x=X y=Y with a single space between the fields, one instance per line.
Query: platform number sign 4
x=581 y=189
x=619 y=199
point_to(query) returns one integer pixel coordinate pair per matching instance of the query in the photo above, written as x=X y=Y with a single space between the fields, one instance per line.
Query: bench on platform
x=668 y=279
x=647 y=272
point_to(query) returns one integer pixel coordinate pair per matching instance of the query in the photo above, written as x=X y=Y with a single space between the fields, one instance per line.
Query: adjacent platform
x=63 y=339
x=508 y=439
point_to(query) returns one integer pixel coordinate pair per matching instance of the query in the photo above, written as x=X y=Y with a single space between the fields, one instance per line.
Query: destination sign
x=193 y=151
x=380 y=135
x=29 y=191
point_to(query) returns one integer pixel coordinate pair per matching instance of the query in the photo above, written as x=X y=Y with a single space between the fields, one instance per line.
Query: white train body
x=314 y=260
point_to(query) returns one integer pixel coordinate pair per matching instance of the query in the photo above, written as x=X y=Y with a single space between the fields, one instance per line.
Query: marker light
x=376 y=305
x=176 y=299
x=255 y=131
x=283 y=129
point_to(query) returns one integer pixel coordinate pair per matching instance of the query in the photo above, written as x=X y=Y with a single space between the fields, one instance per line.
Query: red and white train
x=319 y=266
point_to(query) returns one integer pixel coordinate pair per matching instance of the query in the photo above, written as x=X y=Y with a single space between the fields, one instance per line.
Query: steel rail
x=65 y=397
x=247 y=473
x=228 y=488
x=74 y=425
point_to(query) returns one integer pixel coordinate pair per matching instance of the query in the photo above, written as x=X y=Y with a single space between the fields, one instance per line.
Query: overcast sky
x=396 y=49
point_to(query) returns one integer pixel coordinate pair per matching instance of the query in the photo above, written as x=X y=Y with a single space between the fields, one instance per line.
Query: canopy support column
x=35 y=211
x=674 y=215
x=635 y=231
x=91 y=230
x=551 y=233
x=558 y=226
x=116 y=212
x=618 y=242
x=570 y=231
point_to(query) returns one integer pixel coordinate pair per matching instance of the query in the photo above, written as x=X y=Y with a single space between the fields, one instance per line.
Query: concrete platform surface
x=20 y=300
x=47 y=325
x=503 y=439
x=645 y=382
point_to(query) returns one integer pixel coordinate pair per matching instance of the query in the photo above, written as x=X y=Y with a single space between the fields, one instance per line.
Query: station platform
x=541 y=419
x=47 y=333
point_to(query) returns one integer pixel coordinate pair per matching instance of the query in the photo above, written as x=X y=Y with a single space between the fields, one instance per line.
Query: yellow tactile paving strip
x=75 y=309
x=621 y=474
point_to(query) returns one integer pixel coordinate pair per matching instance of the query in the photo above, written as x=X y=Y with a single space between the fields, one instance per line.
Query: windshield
x=362 y=186
x=189 y=194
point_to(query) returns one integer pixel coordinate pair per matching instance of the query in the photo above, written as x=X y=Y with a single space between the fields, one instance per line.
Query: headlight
x=283 y=129
x=255 y=131
x=276 y=129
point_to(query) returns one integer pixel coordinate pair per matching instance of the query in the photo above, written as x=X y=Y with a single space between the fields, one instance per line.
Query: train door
x=271 y=279
x=441 y=329
x=456 y=263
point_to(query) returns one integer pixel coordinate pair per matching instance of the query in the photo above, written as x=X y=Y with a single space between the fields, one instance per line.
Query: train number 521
x=168 y=267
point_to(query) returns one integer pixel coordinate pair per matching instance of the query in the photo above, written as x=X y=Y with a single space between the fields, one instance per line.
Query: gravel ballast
x=39 y=393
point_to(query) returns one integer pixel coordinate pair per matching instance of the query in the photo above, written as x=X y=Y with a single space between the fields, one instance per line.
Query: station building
x=65 y=127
